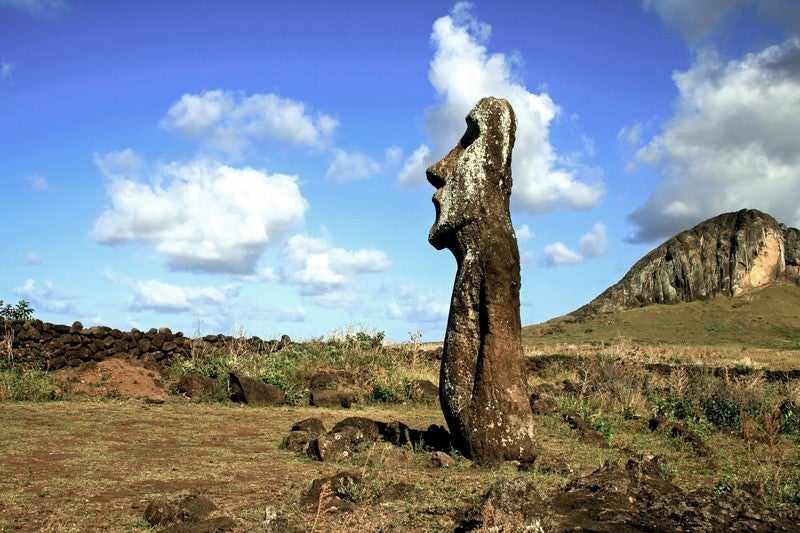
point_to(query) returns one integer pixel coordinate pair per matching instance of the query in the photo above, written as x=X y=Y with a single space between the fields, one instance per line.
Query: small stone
x=440 y=460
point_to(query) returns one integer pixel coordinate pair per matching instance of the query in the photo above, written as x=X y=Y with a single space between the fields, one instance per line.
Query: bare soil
x=113 y=377
x=94 y=462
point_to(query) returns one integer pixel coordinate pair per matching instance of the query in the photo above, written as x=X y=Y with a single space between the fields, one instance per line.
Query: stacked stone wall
x=39 y=344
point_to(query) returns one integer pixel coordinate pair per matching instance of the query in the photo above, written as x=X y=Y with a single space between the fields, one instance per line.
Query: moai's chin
x=437 y=237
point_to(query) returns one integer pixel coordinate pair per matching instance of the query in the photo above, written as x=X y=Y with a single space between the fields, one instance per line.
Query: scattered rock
x=370 y=429
x=436 y=438
x=680 y=431
x=422 y=390
x=510 y=505
x=330 y=379
x=187 y=513
x=613 y=499
x=544 y=404
x=332 y=398
x=196 y=386
x=399 y=434
x=570 y=388
x=334 y=493
x=440 y=460
x=336 y=445
x=298 y=441
x=254 y=391
x=311 y=425
x=587 y=434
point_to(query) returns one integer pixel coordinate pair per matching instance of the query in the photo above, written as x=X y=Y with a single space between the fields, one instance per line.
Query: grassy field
x=93 y=463
x=91 y=466
x=82 y=464
x=768 y=319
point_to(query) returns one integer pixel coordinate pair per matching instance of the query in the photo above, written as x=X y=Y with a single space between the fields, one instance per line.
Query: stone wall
x=52 y=346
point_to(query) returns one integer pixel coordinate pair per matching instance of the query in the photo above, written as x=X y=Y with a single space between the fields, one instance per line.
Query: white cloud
x=413 y=171
x=462 y=72
x=692 y=18
x=697 y=21
x=37 y=183
x=430 y=307
x=731 y=144
x=201 y=215
x=230 y=121
x=326 y=273
x=352 y=166
x=595 y=243
x=37 y=8
x=45 y=297
x=591 y=244
x=288 y=314
x=631 y=135
x=33 y=258
x=524 y=233
x=161 y=296
x=121 y=163
x=558 y=253
x=6 y=68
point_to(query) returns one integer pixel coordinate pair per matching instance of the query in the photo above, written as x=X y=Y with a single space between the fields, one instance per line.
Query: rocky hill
x=730 y=254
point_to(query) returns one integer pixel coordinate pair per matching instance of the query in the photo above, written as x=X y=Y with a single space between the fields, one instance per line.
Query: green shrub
x=18 y=384
x=723 y=412
x=377 y=372
x=790 y=425
x=726 y=484
x=387 y=393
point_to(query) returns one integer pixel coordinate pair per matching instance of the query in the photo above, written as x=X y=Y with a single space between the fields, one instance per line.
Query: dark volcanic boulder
x=254 y=391
x=196 y=386
x=728 y=255
x=332 y=398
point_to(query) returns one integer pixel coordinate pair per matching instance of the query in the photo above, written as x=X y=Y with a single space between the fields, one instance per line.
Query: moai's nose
x=435 y=176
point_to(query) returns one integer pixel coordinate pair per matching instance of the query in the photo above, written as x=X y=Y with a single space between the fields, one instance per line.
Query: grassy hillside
x=768 y=318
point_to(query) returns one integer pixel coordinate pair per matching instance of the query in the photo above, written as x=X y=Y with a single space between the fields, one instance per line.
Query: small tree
x=21 y=311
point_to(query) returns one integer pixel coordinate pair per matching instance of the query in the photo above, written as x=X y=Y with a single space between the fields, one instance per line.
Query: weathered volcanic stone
x=482 y=382
x=254 y=391
x=727 y=255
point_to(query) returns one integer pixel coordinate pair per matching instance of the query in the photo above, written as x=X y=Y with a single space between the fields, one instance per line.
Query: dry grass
x=81 y=465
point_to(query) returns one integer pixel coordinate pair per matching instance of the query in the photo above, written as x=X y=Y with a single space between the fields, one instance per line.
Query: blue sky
x=259 y=166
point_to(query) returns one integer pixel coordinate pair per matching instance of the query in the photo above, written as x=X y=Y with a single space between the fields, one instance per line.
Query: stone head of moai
x=482 y=383
x=473 y=181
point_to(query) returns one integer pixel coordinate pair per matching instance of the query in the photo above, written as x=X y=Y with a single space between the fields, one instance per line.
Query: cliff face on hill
x=728 y=255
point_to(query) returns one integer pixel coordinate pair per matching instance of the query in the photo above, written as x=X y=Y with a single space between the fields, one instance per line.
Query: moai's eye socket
x=471 y=135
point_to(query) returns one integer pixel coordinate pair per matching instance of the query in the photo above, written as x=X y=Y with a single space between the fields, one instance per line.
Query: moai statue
x=483 y=390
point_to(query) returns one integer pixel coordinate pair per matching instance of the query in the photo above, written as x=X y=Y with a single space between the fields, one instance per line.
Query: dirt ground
x=94 y=463
x=94 y=466
x=113 y=377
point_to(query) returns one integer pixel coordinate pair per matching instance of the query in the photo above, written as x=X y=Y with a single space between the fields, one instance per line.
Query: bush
x=18 y=384
x=378 y=373
x=723 y=412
